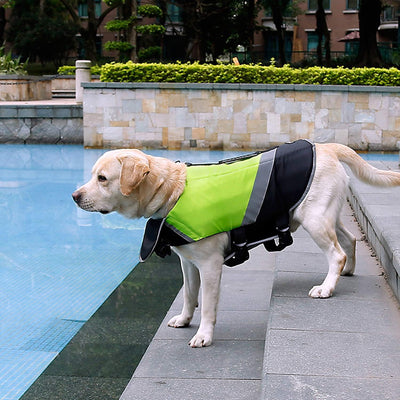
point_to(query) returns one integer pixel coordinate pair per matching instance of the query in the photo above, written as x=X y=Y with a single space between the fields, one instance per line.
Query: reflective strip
x=260 y=187
x=310 y=179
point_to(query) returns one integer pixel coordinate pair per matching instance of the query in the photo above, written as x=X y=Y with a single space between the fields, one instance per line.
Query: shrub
x=206 y=73
x=70 y=70
x=149 y=53
x=120 y=46
x=10 y=65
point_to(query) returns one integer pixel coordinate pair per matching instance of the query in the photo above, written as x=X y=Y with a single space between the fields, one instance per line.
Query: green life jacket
x=250 y=197
x=218 y=198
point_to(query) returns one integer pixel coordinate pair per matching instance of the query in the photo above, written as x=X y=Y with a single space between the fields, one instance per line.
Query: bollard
x=82 y=74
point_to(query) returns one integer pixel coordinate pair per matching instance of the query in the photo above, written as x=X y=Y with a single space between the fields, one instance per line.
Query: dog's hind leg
x=325 y=236
x=348 y=243
x=191 y=285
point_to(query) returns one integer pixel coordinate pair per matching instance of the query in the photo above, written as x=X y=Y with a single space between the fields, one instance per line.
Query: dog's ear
x=133 y=171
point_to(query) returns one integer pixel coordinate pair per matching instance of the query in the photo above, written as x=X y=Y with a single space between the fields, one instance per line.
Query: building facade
x=301 y=39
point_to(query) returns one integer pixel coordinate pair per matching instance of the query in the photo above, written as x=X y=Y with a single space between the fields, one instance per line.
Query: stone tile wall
x=24 y=87
x=41 y=123
x=238 y=116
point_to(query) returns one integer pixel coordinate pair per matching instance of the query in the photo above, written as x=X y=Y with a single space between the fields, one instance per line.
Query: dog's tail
x=364 y=171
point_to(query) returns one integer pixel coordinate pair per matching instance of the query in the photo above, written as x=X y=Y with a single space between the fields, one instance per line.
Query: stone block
x=148 y=105
x=132 y=106
x=198 y=133
x=8 y=112
x=321 y=119
x=161 y=102
x=332 y=100
x=119 y=123
x=371 y=136
x=308 y=96
x=175 y=99
x=243 y=106
x=307 y=112
x=199 y=106
x=342 y=136
x=273 y=123
x=93 y=119
x=361 y=100
x=256 y=126
x=365 y=116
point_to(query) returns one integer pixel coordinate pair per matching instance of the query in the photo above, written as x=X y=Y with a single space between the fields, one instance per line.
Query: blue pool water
x=58 y=263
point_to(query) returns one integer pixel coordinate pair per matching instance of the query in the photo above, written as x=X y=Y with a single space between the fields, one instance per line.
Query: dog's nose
x=77 y=196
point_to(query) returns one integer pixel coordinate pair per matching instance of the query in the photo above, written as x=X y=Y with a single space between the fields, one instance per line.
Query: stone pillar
x=82 y=74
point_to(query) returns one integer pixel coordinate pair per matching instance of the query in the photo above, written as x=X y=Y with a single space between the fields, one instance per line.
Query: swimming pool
x=58 y=263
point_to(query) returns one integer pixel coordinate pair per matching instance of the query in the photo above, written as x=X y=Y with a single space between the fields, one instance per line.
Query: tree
x=88 y=30
x=212 y=28
x=280 y=9
x=323 y=35
x=40 y=30
x=369 y=21
x=127 y=28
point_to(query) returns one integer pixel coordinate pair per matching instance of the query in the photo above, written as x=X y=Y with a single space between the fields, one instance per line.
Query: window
x=174 y=12
x=312 y=41
x=352 y=4
x=83 y=8
x=390 y=13
x=313 y=5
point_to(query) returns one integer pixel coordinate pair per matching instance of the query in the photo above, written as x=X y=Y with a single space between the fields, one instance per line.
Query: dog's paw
x=320 y=292
x=200 y=340
x=179 y=321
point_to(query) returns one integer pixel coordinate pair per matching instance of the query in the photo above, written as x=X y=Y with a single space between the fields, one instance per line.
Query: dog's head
x=116 y=176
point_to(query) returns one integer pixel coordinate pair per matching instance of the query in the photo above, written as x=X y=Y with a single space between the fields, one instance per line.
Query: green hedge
x=70 y=70
x=206 y=73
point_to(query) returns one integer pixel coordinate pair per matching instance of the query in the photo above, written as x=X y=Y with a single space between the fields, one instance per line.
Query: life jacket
x=250 y=197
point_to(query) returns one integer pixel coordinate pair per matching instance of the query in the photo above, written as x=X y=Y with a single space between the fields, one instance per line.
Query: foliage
x=149 y=53
x=206 y=73
x=216 y=27
x=149 y=10
x=70 y=70
x=118 y=24
x=10 y=65
x=150 y=29
x=42 y=33
x=120 y=46
x=128 y=27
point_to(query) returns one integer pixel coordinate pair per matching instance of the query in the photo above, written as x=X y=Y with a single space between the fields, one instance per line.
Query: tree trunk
x=2 y=23
x=323 y=35
x=129 y=8
x=89 y=35
x=369 y=21
x=280 y=30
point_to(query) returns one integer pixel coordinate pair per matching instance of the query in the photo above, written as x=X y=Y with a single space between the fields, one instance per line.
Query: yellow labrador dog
x=138 y=185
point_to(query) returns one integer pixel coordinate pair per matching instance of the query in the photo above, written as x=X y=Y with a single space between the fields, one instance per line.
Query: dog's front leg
x=210 y=273
x=191 y=285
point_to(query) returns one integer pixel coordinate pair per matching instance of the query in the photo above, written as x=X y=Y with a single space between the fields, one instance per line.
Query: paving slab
x=344 y=347
x=232 y=367
x=273 y=342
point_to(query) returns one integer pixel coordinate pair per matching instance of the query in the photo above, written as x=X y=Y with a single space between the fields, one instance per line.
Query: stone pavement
x=274 y=342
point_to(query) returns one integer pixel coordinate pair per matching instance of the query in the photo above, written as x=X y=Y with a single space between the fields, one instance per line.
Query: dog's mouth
x=104 y=211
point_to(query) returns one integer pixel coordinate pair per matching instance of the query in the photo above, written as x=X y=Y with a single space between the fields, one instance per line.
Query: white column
x=82 y=74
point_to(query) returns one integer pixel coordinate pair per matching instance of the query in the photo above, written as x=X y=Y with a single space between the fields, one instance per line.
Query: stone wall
x=44 y=123
x=24 y=87
x=238 y=116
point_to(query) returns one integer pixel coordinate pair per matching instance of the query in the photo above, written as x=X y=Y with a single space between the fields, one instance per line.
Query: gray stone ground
x=274 y=342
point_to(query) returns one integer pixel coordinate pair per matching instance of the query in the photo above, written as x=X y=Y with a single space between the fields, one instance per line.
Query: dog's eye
x=101 y=178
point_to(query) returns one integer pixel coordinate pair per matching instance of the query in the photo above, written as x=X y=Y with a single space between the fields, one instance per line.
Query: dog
x=137 y=185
